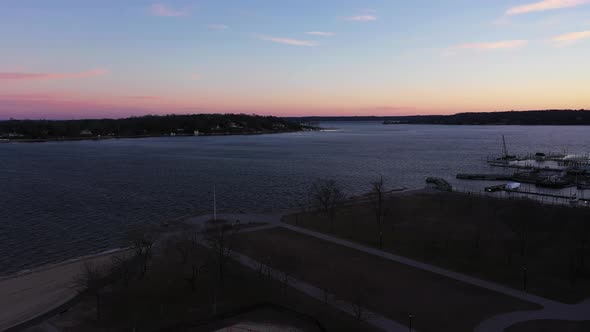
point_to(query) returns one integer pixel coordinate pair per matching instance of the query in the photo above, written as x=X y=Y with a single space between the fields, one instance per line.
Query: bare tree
x=142 y=242
x=328 y=195
x=377 y=194
x=91 y=281
x=302 y=207
x=123 y=268
x=219 y=240
x=356 y=295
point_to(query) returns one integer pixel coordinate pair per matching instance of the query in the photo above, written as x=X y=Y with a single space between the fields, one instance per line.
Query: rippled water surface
x=60 y=200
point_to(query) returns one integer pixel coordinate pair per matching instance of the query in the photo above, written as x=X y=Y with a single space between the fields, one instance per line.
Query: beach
x=30 y=294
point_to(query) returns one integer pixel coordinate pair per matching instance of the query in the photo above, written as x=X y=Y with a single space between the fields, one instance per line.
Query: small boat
x=512 y=186
x=555 y=182
x=495 y=188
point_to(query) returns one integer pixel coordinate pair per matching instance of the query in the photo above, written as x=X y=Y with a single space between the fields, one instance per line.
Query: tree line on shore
x=150 y=125
x=525 y=118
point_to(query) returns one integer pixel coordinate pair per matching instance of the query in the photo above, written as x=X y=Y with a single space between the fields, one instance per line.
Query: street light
x=410 y=317
x=524 y=277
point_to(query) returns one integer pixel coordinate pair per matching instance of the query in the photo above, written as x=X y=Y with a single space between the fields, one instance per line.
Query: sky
x=70 y=59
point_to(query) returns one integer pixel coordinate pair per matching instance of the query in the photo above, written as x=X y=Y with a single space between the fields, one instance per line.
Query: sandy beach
x=30 y=294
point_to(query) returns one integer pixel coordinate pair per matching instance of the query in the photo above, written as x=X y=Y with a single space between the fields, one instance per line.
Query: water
x=60 y=200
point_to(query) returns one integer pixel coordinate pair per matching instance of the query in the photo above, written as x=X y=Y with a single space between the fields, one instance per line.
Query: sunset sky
x=65 y=59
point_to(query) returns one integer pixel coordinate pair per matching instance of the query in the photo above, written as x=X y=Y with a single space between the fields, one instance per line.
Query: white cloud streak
x=321 y=33
x=217 y=27
x=362 y=18
x=288 y=41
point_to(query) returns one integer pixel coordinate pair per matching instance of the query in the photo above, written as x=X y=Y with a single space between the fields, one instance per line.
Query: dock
x=485 y=177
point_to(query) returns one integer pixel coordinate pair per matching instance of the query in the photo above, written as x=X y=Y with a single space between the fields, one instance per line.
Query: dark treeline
x=150 y=125
x=528 y=118
x=545 y=117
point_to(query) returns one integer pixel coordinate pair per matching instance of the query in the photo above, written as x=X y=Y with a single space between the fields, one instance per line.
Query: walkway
x=371 y=318
x=552 y=310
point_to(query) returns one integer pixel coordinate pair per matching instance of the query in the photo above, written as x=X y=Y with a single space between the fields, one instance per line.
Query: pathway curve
x=372 y=318
x=552 y=310
x=560 y=311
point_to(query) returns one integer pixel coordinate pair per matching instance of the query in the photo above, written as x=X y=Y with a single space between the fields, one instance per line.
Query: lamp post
x=524 y=278
x=410 y=325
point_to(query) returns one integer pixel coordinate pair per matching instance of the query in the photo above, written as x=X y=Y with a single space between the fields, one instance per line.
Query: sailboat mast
x=505 y=149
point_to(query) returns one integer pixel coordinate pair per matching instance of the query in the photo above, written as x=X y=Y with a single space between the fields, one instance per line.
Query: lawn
x=489 y=238
x=388 y=288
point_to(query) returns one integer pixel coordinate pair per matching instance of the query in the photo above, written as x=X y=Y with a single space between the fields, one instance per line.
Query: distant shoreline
x=512 y=118
x=101 y=138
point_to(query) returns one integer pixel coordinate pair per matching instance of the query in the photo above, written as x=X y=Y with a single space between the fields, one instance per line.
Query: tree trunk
x=97 y=297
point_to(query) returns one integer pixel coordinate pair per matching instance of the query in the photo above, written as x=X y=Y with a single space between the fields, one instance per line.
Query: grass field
x=490 y=238
x=388 y=288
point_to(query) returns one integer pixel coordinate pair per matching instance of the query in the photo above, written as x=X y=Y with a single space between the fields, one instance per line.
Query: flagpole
x=214 y=205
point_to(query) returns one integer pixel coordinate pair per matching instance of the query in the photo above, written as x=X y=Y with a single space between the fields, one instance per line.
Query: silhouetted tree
x=142 y=242
x=328 y=195
x=91 y=281
x=377 y=194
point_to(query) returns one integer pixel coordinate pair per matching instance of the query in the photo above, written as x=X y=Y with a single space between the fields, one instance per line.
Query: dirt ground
x=391 y=289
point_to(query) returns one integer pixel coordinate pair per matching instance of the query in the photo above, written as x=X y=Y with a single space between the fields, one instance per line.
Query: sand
x=28 y=295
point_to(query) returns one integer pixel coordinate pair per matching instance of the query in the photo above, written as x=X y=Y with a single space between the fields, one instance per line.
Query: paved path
x=426 y=267
x=566 y=312
x=372 y=318
x=274 y=220
x=551 y=309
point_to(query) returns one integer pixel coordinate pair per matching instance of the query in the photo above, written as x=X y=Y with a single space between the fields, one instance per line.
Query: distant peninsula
x=145 y=126
x=522 y=118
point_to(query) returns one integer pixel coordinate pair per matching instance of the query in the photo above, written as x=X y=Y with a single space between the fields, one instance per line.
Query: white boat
x=512 y=186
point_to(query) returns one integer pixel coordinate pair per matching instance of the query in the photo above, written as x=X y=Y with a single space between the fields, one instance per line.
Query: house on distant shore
x=85 y=132
x=11 y=135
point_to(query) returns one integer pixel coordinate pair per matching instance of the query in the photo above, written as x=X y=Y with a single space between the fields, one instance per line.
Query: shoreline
x=42 y=268
x=101 y=138
x=31 y=294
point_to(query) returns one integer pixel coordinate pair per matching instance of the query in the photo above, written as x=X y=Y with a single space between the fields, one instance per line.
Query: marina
x=546 y=175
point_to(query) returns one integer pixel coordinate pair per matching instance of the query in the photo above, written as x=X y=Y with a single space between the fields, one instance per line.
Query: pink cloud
x=143 y=97
x=545 y=5
x=491 y=46
x=570 y=38
x=159 y=9
x=50 y=76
